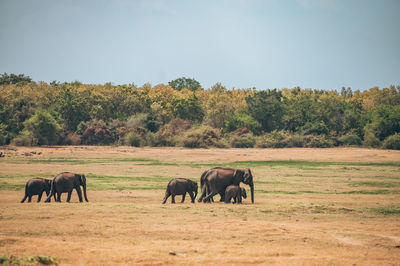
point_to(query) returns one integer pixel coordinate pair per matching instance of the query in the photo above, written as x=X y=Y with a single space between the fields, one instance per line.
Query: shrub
x=133 y=139
x=201 y=137
x=370 y=140
x=350 y=139
x=24 y=139
x=295 y=141
x=243 y=141
x=71 y=139
x=43 y=127
x=3 y=134
x=314 y=128
x=275 y=139
x=97 y=132
x=318 y=141
x=170 y=134
x=392 y=142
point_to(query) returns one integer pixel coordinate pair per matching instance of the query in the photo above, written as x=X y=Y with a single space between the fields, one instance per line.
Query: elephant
x=179 y=186
x=66 y=182
x=205 y=188
x=217 y=179
x=36 y=186
x=236 y=193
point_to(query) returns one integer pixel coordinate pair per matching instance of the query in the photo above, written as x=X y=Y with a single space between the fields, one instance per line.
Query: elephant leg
x=203 y=193
x=69 y=196
x=191 y=196
x=79 y=192
x=222 y=194
x=23 y=200
x=40 y=197
x=209 y=196
x=58 y=196
x=173 y=198
x=167 y=194
x=29 y=198
x=183 y=197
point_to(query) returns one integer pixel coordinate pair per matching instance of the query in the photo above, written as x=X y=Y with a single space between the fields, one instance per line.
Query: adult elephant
x=216 y=181
x=66 y=182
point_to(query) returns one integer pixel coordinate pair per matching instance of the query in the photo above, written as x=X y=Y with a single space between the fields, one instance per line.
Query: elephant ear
x=238 y=176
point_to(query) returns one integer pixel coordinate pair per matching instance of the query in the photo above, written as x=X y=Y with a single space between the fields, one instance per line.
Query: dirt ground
x=336 y=206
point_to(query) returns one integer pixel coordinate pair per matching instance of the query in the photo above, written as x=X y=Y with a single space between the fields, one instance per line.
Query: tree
x=43 y=127
x=188 y=108
x=71 y=107
x=188 y=83
x=266 y=108
x=6 y=79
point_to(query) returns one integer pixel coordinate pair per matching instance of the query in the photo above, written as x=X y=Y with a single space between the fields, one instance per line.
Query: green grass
x=28 y=260
x=392 y=210
x=375 y=184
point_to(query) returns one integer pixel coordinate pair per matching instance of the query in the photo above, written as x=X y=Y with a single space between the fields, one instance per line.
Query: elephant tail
x=26 y=193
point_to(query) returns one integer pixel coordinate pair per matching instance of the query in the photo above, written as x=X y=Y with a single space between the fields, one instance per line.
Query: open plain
x=337 y=206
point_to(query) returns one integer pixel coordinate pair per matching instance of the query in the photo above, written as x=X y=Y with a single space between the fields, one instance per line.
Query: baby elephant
x=179 y=186
x=236 y=193
x=36 y=186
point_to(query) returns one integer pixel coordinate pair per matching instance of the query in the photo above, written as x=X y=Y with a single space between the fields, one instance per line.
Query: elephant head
x=248 y=180
x=243 y=192
x=82 y=180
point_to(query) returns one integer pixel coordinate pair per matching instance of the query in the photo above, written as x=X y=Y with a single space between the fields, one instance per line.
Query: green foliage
x=276 y=118
x=240 y=120
x=202 y=137
x=21 y=79
x=28 y=260
x=350 y=140
x=133 y=139
x=243 y=141
x=43 y=127
x=266 y=108
x=392 y=142
x=188 y=83
x=188 y=108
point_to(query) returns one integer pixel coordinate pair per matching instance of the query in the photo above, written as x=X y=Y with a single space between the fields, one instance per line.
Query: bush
x=370 y=140
x=295 y=141
x=71 y=139
x=43 y=127
x=314 y=128
x=318 y=141
x=133 y=139
x=201 y=137
x=3 y=134
x=350 y=140
x=243 y=141
x=171 y=133
x=392 y=142
x=97 y=132
x=275 y=139
x=25 y=139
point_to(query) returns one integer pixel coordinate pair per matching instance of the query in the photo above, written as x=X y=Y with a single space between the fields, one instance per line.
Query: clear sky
x=319 y=44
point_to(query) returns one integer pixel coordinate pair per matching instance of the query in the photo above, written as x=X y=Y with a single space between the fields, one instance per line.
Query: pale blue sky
x=323 y=44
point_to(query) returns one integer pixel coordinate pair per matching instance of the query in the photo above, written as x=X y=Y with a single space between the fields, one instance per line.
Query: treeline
x=182 y=113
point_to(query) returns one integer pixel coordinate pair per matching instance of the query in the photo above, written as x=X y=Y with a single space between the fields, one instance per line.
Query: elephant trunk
x=252 y=191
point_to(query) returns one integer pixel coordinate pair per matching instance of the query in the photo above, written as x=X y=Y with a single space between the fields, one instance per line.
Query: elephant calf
x=179 y=186
x=36 y=186
x=236 y=193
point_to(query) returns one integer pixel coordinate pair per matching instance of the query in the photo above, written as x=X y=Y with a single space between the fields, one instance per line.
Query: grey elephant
x=217 y=179
x=181 y=186
x=236 y=193
x=66 y=182
x=36 y=186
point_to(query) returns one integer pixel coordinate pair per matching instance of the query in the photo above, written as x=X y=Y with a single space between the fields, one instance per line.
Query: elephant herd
x=218 y=180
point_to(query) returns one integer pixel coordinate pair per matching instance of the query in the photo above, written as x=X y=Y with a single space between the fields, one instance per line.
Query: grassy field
x=312 y=206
